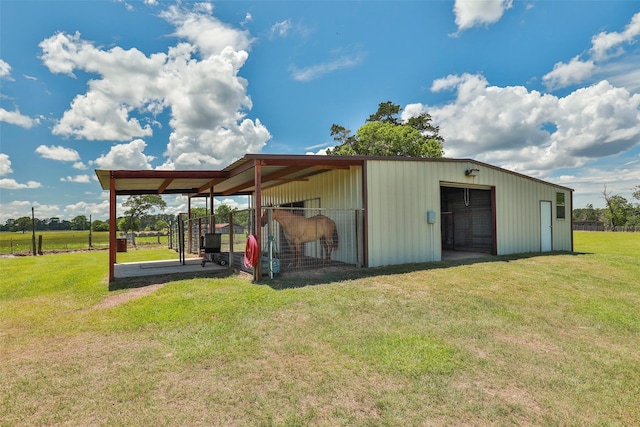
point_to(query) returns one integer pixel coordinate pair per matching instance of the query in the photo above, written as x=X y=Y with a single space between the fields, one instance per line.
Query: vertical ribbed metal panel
x=399 y=196
x=401 y=192
x=337 y=189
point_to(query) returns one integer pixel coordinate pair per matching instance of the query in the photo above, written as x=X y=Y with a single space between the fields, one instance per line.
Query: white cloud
x=247 y=18
x=20 y=208
x=531 y=132
x=623 y=73
x=79 y=166
x=471 y=13
x=598 y=121
x=340 y=60
x=5 y=165
x=604 y=47
x=125 y=156
x=233 y=203
x=80 y=179
x=196 y=80
x=103 y=112
x=563 y=75
x=5 y=70
x=603 y=43
x=97 y=210
x=320 y=152
x=202 y=29
x=12 y=184
x=56 y=152
x=15 y=118
x=178 y=204
x=589 y=182
x=280 y=29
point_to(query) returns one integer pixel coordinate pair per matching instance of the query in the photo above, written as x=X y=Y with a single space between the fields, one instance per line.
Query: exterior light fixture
x=472 y=172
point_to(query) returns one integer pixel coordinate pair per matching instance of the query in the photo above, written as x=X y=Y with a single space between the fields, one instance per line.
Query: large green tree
x=140 y=205
x=22 y=224
x=80 y=222
x=384 y=134
x=618 y=209
x=222 y=213
x=589 y=213
x=635 y=192
x=99 y=225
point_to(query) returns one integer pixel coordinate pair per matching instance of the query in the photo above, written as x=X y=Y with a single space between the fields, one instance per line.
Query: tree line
x=618 y=212
x=137 y=217
x=155 y=222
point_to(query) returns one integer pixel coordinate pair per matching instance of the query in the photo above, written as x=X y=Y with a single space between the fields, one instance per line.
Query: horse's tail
x=334 y=238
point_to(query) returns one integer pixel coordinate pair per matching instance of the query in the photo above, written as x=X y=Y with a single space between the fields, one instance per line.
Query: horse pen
x=293 y=239
x=311 y=238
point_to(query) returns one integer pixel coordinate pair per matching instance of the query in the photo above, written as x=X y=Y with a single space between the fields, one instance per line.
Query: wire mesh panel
x=309 y=238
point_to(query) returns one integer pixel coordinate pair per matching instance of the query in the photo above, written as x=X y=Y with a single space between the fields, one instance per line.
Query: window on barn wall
x=560 y=206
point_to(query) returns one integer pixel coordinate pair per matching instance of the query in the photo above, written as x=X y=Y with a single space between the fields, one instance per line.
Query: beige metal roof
x=239 y=178
x=236 y=179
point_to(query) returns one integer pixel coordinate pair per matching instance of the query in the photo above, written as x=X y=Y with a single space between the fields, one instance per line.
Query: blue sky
x=546 y=88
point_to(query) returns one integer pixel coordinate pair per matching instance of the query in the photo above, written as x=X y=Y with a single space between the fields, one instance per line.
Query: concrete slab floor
x=153 y=268
x=455 y=255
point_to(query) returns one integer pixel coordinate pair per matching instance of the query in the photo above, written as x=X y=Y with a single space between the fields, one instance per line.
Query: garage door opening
x=468 y=219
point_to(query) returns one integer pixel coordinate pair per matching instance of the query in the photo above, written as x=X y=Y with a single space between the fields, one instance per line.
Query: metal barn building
x=416 y=208
x=387 y=210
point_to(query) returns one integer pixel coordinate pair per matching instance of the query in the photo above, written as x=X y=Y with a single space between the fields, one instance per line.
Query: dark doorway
x=467 y=222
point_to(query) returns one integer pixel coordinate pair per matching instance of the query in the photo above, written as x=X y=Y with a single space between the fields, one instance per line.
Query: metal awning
x=248 y=175
x=239 y=178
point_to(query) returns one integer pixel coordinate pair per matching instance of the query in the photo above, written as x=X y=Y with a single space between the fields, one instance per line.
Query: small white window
x=560 y=206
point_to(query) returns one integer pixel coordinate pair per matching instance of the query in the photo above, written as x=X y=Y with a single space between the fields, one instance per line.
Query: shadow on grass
x=327 y=275
x=159 y=279
x=339 y=274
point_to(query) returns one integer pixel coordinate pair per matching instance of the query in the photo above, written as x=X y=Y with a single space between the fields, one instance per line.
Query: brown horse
x=298 y=230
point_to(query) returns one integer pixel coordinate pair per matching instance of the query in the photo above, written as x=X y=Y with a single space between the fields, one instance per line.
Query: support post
x=112 y=226
x=212 y=218
x=257 y=273
x=189 y=228
x=33 y=231
x=231 y=237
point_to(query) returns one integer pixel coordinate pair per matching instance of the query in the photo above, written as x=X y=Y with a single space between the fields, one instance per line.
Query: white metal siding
x=399 y=195
x=401 y=192
x=337 y=189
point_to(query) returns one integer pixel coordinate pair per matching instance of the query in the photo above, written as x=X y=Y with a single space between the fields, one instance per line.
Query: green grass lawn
x=529 y=340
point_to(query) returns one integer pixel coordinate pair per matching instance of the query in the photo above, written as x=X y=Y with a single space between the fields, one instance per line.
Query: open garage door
x=468 y=219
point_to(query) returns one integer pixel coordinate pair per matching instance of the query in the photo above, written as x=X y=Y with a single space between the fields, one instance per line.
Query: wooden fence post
x=33 y=232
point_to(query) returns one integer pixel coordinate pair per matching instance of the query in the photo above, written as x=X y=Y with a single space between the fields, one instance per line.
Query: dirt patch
x=131 y=294
x=530 y=343
x=509 y=394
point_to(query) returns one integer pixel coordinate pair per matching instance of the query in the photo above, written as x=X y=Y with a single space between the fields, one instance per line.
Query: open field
x=60 y=241
x=529 y=340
